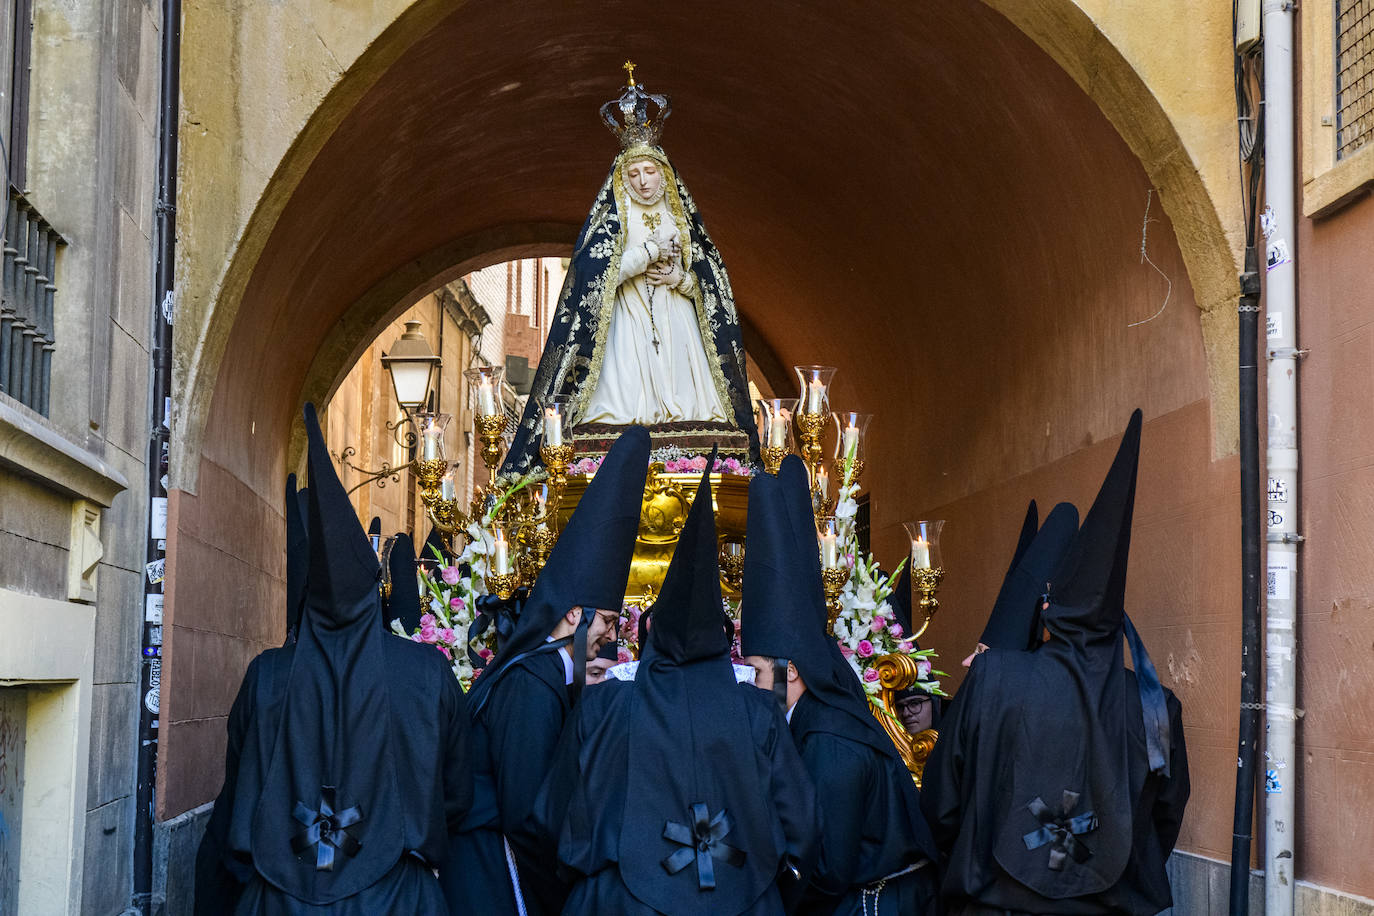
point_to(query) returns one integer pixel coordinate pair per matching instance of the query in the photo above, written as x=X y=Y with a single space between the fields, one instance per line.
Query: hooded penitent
x=404 y=603
x=588 y=567
x=330 y=762
x=783 y=604
x=699 y=823
x=1015 y=619
x=297 y=555
x=1071 y=772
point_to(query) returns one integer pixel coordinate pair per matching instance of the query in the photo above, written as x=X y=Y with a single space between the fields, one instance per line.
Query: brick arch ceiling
x=901 y=188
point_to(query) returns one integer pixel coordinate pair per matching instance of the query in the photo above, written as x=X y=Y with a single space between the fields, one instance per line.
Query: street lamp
x=411 y=363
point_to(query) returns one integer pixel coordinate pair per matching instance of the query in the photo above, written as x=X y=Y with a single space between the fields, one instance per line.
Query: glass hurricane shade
x=925 y=543
x=411 y=363
x=485 y=382
x=851 y=433
x=813 y=393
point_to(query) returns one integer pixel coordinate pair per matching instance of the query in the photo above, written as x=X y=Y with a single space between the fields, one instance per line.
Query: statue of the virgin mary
x=645 y=330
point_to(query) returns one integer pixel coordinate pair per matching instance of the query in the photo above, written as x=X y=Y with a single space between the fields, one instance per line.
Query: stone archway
x=945 y=202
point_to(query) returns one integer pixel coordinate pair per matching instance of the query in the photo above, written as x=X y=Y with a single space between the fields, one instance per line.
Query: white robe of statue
x=641 y=383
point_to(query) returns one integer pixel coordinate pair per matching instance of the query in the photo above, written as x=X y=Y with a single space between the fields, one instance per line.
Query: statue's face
x=644 y=178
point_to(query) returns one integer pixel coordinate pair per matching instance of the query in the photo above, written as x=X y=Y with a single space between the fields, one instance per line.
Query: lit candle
x=447 y=490
x=500 y=562
x=815 y=396
x=486 y=398
x=830 y=553
x=553 y=428
x=920 y=555
x=851 y=442
x=822 y=482
x=433 y=437
x=777 y=430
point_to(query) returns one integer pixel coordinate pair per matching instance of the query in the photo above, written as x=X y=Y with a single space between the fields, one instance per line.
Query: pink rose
x=698 y=463
x=865 y=648
x=871 y=675
x=622 y=655
x=484 y=653
x=450 y=575
x=447 y=654
x=429 y=633
x=447 y=635
x=457 y=603
x=415 y=637
x=878 y=624
x=427 y=620
x=895 y=630
x=846 y=652
x=922 y=668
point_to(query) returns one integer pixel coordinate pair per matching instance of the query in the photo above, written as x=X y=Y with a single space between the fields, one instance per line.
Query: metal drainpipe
x=160 y=399
x=1280 y=648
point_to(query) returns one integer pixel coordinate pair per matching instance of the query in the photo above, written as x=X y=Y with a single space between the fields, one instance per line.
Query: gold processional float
x=514 y=524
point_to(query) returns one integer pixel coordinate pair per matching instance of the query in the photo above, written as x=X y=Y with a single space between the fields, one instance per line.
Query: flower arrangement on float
x=674 y=461
x=866 y=627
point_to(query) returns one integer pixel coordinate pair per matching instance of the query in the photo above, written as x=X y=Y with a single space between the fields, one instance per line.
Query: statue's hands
x=664 y=273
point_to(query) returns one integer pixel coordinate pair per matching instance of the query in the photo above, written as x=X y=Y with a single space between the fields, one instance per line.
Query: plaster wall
x=91 y=168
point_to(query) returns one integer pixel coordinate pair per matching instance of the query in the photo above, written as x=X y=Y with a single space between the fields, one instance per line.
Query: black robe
x=965 y=795
x=517 y=731
x=582 y=818
x=432 y=744
x=868 y=829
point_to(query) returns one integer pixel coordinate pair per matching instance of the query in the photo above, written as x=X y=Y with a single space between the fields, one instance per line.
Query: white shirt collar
x=567 y=662
x=789 y=713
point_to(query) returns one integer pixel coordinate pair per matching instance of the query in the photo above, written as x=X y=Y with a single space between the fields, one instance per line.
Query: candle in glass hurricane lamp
x=851 y=442
x=815 y=396
x=433 y=437
x=447 y=490
x=500 y=560
x=486 y=398
x=822 y=482
x=777 y=430
x=830 y=554
x=553 y=428
x=920 y=555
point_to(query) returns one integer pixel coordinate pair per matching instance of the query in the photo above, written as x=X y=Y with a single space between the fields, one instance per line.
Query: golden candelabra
x=856 y=470
x=772 y=456
x=833 y=578
x=557 y=459
x=898 y=672
x=926 y=582
x=490 y=430
x=503 y=584
x=811 y=425
x=443 y=513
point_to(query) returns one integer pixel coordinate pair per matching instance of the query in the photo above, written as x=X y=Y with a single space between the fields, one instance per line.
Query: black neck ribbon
x=1152 y=702
x=780 y=682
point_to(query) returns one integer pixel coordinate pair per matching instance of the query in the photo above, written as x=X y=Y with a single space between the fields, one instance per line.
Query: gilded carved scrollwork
x=899 y=672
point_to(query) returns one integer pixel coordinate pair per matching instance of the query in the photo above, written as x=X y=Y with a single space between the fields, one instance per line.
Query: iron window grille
x=1354 y=75
x=27 y=289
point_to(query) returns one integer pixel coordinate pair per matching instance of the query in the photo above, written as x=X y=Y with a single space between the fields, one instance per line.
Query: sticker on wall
x=1272 y=786
x=1268 y=221
x=156 y=571
x=157 y=518
x=1277 y=254
x=1278 y=490
x=1279 y=583
x=1273 y=327
x=152 y=609
x=153 y=698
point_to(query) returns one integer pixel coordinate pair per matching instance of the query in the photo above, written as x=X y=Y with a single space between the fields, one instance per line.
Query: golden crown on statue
x=634 y=126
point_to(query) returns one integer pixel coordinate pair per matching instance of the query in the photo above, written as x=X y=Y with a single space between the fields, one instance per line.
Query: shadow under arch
x=924 y=224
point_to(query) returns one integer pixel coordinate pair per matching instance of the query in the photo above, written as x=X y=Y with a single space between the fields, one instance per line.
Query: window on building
x=1354 y=71
x=29 y=268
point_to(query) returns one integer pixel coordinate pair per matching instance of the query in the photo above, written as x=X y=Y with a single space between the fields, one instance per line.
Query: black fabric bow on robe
x=326 y=830
x=703 y=841
x=1061 y=828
